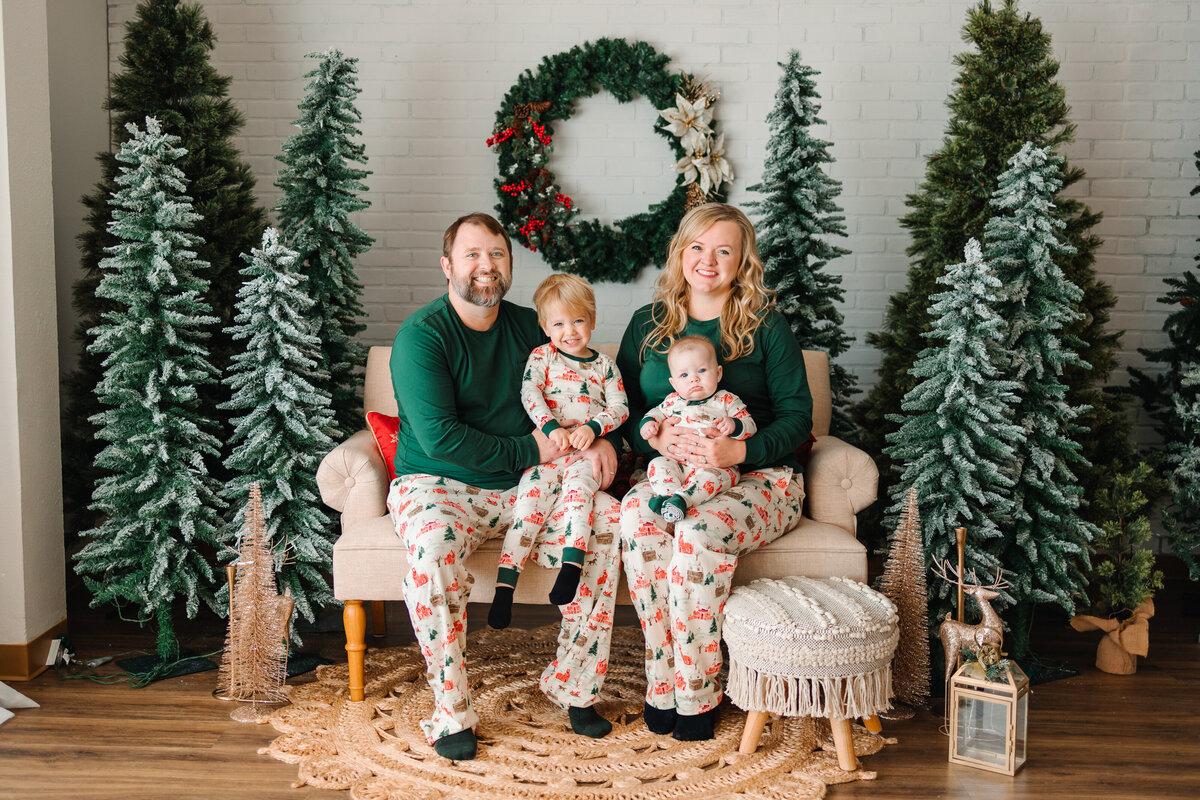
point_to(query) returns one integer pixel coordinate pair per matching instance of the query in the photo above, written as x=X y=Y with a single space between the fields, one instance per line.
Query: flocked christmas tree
x=254 y=665
x=796 y=215
x=1005 y=94
x=157 y=501
x=1045 y=546
x=903 y=583
x=282 y=433
x=956 y=439
x=165 y=73
x=321 y=189
x=1173 y=401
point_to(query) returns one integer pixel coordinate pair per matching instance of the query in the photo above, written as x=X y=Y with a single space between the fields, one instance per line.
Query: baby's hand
x=725 y=425
x=649 y=430
x=561 y=438
x=582 y=436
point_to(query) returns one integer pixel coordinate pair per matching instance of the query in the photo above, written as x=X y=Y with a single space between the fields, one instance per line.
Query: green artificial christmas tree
x=1172 y=398
x=797 y=211
x=1045 y=546
x=1005 y=95
x=1124 y=573
x=956 y=439
x=165 y=73
x=321 y=189
x=282 y=434
x=157 y=501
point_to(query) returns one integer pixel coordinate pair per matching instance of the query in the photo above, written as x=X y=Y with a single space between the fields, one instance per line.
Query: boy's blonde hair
x=692 y=342
x=570 y=291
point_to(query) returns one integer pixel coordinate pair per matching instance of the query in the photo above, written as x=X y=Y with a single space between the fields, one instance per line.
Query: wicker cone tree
x=254 y=667
x=903 y=583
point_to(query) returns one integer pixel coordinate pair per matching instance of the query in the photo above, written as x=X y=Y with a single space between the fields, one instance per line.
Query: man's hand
x=603 y=459
x=547 y=449
x=561 y=438
x=649 y=430
x=581 y=437
x=725 y=425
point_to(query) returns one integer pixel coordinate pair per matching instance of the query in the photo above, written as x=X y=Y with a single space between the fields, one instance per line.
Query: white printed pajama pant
x=543 y=489
x=679 y=583
x=441 y=522
x=695 y=485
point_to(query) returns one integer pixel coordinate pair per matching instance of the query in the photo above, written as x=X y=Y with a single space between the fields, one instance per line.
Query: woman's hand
x=667 y=439
x=710 y=448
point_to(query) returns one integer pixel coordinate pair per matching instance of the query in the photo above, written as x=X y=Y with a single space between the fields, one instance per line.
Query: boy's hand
x=649 y=430
x=581 y=437
x=725 y=425
x=561 y=438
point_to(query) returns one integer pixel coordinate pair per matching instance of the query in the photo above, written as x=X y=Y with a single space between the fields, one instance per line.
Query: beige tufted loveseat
x=369 y=559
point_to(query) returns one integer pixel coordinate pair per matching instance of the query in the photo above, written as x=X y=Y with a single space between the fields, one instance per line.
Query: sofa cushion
x=385 y=429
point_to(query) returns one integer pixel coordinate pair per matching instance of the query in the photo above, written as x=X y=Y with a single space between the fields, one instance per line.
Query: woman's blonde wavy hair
x=749 y=298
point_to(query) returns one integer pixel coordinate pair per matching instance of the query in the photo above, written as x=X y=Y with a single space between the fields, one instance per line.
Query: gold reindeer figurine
x=955 y=635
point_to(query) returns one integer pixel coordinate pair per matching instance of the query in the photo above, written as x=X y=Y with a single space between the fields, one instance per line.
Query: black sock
x=566 y=584
x=500 y=614
x=695 y=727
x=457 y=746
x=659 y=720
x=586 y=722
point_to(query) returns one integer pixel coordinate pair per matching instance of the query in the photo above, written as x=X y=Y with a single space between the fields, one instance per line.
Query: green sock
x=586 y=722
x=457 y=746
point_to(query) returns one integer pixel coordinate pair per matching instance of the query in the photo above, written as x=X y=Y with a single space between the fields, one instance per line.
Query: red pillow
x=385 y=429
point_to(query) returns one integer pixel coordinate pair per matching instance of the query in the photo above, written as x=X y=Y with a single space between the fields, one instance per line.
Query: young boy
x=695 y=403
x=566 y=383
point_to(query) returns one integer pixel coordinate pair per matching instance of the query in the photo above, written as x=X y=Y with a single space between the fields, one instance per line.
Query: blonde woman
x=712 y=286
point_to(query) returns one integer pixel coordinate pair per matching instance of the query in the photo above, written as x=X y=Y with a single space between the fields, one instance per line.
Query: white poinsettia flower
x=687 y=169
x=710 y=165
x=688 y=121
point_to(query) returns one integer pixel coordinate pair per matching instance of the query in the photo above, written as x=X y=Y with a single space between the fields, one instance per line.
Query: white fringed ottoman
x=807 y=647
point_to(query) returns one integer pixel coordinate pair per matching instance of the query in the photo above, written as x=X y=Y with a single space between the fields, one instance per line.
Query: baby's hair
x=570 y=291
x=693 y=342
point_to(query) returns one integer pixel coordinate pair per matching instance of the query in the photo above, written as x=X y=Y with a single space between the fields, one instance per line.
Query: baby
x=695 y=403
x=565 y=383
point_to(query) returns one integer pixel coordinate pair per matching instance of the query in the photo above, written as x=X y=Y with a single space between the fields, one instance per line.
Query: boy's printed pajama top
x=555 y=388
x=679 y=576
x=462 y=446
x=697 y=484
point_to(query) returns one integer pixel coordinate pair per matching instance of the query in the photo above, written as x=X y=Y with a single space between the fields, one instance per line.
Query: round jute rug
x=527 y=750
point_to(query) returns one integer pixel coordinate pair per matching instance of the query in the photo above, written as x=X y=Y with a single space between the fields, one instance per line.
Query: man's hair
x=693 y=342
x=570 y=291
x=483 y=220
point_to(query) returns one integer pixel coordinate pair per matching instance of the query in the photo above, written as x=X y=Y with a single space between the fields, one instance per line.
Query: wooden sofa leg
x=378 y=619
x=843 y=742
x=755 y=722
x=873 y=724
x=354 y=619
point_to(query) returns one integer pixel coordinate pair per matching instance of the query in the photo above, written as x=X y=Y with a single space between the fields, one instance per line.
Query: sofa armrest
x=839 y=481
x=353 y=479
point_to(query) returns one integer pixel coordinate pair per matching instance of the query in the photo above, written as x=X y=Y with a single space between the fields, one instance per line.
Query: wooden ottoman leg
x=872 y=723
x=755 y=722
x=354 y=619
x=844 y=742
x=378 y=619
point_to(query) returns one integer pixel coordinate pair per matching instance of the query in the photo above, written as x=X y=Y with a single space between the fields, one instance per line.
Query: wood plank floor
x=1091 y=736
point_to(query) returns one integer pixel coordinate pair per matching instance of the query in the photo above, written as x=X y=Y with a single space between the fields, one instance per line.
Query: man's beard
x=485 y=296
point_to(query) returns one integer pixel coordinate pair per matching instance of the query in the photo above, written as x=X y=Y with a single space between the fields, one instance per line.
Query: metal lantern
x=988 y=718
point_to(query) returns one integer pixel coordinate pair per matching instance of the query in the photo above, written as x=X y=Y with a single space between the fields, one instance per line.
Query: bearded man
x=463 y=443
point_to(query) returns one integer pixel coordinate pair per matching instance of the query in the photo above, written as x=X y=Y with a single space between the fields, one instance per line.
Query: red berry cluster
x=515 y=188
x=532 y=226
x=540 y=130
x=562 y=198
x=502 y=136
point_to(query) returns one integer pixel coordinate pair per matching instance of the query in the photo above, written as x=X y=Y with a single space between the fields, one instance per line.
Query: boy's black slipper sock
x=586 y=722
x=659 y=720
x=695 y=727
x=500 y=614
x=457 y=746
x=566 y=584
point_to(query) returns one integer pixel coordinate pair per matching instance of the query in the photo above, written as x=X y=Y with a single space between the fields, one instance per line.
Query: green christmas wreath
x=533 y=208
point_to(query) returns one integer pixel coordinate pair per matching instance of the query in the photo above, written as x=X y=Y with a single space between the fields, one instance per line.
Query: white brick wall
x=433 y=74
